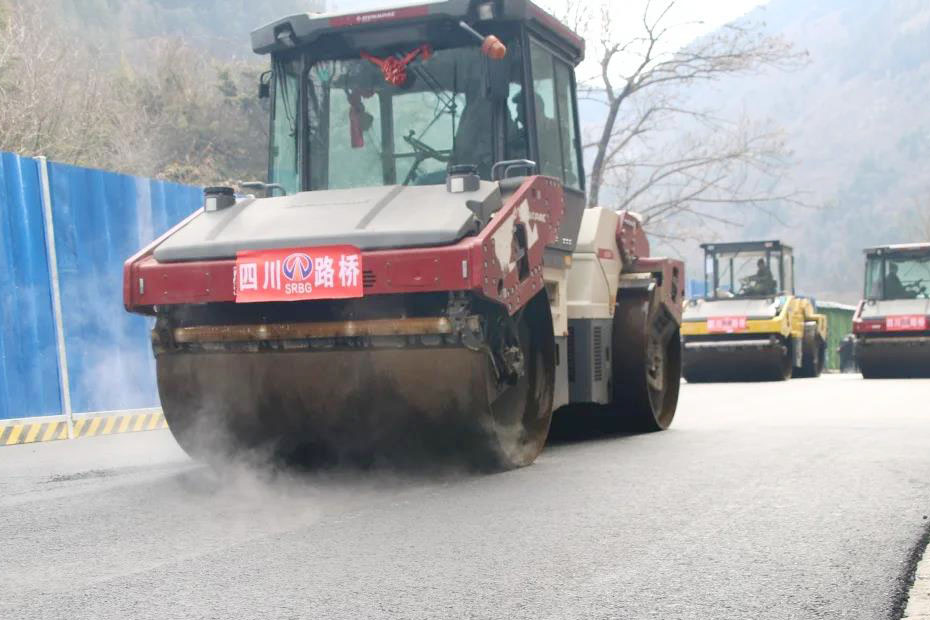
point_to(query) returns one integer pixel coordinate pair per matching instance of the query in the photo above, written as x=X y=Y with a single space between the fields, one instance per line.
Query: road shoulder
x=918 y=599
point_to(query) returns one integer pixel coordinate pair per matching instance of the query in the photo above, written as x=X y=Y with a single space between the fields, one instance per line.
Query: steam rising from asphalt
x=243 y=469
x=117 y=375
x=241 y=489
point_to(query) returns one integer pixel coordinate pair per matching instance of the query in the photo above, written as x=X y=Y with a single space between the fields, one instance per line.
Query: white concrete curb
x=918 y=600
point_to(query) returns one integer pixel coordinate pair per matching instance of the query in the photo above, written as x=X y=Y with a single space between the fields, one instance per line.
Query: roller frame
x=481 y=264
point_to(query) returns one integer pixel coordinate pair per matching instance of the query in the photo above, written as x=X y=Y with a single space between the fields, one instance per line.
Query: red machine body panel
x=489 y=263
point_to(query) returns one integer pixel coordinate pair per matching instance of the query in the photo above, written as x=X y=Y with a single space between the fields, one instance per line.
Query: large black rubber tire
x=646 y=365
x=407 y=408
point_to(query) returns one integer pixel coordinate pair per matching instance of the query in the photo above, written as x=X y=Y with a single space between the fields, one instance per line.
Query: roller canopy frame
x=306 y=29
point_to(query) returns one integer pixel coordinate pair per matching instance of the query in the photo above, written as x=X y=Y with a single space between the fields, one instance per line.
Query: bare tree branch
x=713 y=162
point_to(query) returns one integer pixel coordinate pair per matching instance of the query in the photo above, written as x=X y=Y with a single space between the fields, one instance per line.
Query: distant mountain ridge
x=858 y=121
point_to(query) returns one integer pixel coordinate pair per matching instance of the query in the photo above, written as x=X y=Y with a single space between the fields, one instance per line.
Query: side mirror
x=264 y=85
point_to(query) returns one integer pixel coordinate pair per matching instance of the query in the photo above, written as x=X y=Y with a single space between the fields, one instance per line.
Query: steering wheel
x=422 y=152
x=422 y=149
x=746 y=283
x=916 y=288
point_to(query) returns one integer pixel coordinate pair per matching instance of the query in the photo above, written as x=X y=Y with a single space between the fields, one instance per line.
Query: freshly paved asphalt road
x=798 y=500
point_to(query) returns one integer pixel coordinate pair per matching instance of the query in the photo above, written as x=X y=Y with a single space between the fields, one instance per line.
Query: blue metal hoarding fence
x=695 y=288
x=29 y=383
x=100 y=218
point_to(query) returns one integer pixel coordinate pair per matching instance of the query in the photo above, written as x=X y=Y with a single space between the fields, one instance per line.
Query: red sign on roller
x=726 y=324
x=906 y=323
x=298 y=274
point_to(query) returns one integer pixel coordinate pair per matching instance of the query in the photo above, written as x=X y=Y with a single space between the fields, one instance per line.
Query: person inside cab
x=762 y=282
x=473 y=144
x=894 y=289
x=550 y=160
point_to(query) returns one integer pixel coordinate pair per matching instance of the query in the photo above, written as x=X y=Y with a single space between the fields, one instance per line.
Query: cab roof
x=307 y=28
x=901 y=248
x=745 y=246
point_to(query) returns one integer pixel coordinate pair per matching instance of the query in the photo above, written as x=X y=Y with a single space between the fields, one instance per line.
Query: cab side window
x=284 y=160
x=873 y=279
x=555 y=116
x=789 y=273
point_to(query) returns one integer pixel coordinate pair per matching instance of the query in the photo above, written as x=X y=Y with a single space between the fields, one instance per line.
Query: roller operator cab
x=892 y=322
x=750 y=325
x=421 y=275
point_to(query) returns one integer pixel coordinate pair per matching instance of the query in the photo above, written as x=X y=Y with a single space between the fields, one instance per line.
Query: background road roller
x=892 y=323
x=750 y=326
x=421 y=275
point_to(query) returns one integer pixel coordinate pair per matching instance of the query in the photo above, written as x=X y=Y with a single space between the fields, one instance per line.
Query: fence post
x=64 y=385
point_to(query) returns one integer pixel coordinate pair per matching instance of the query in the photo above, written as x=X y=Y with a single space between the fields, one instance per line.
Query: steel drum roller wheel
x=870 y=371
x=397 y=407
x=879 y=369
x=771 y=364
x=693 y=376
x=885 y=362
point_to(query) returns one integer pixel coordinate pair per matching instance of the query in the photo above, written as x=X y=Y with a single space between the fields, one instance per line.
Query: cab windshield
x=363 y=131
x=746 y=273
x=901 y=277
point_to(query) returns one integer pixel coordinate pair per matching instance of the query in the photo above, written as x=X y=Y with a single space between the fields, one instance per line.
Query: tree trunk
x=600 y=159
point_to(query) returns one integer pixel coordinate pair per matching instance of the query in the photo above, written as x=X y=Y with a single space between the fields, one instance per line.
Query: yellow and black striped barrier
x=91 y=426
